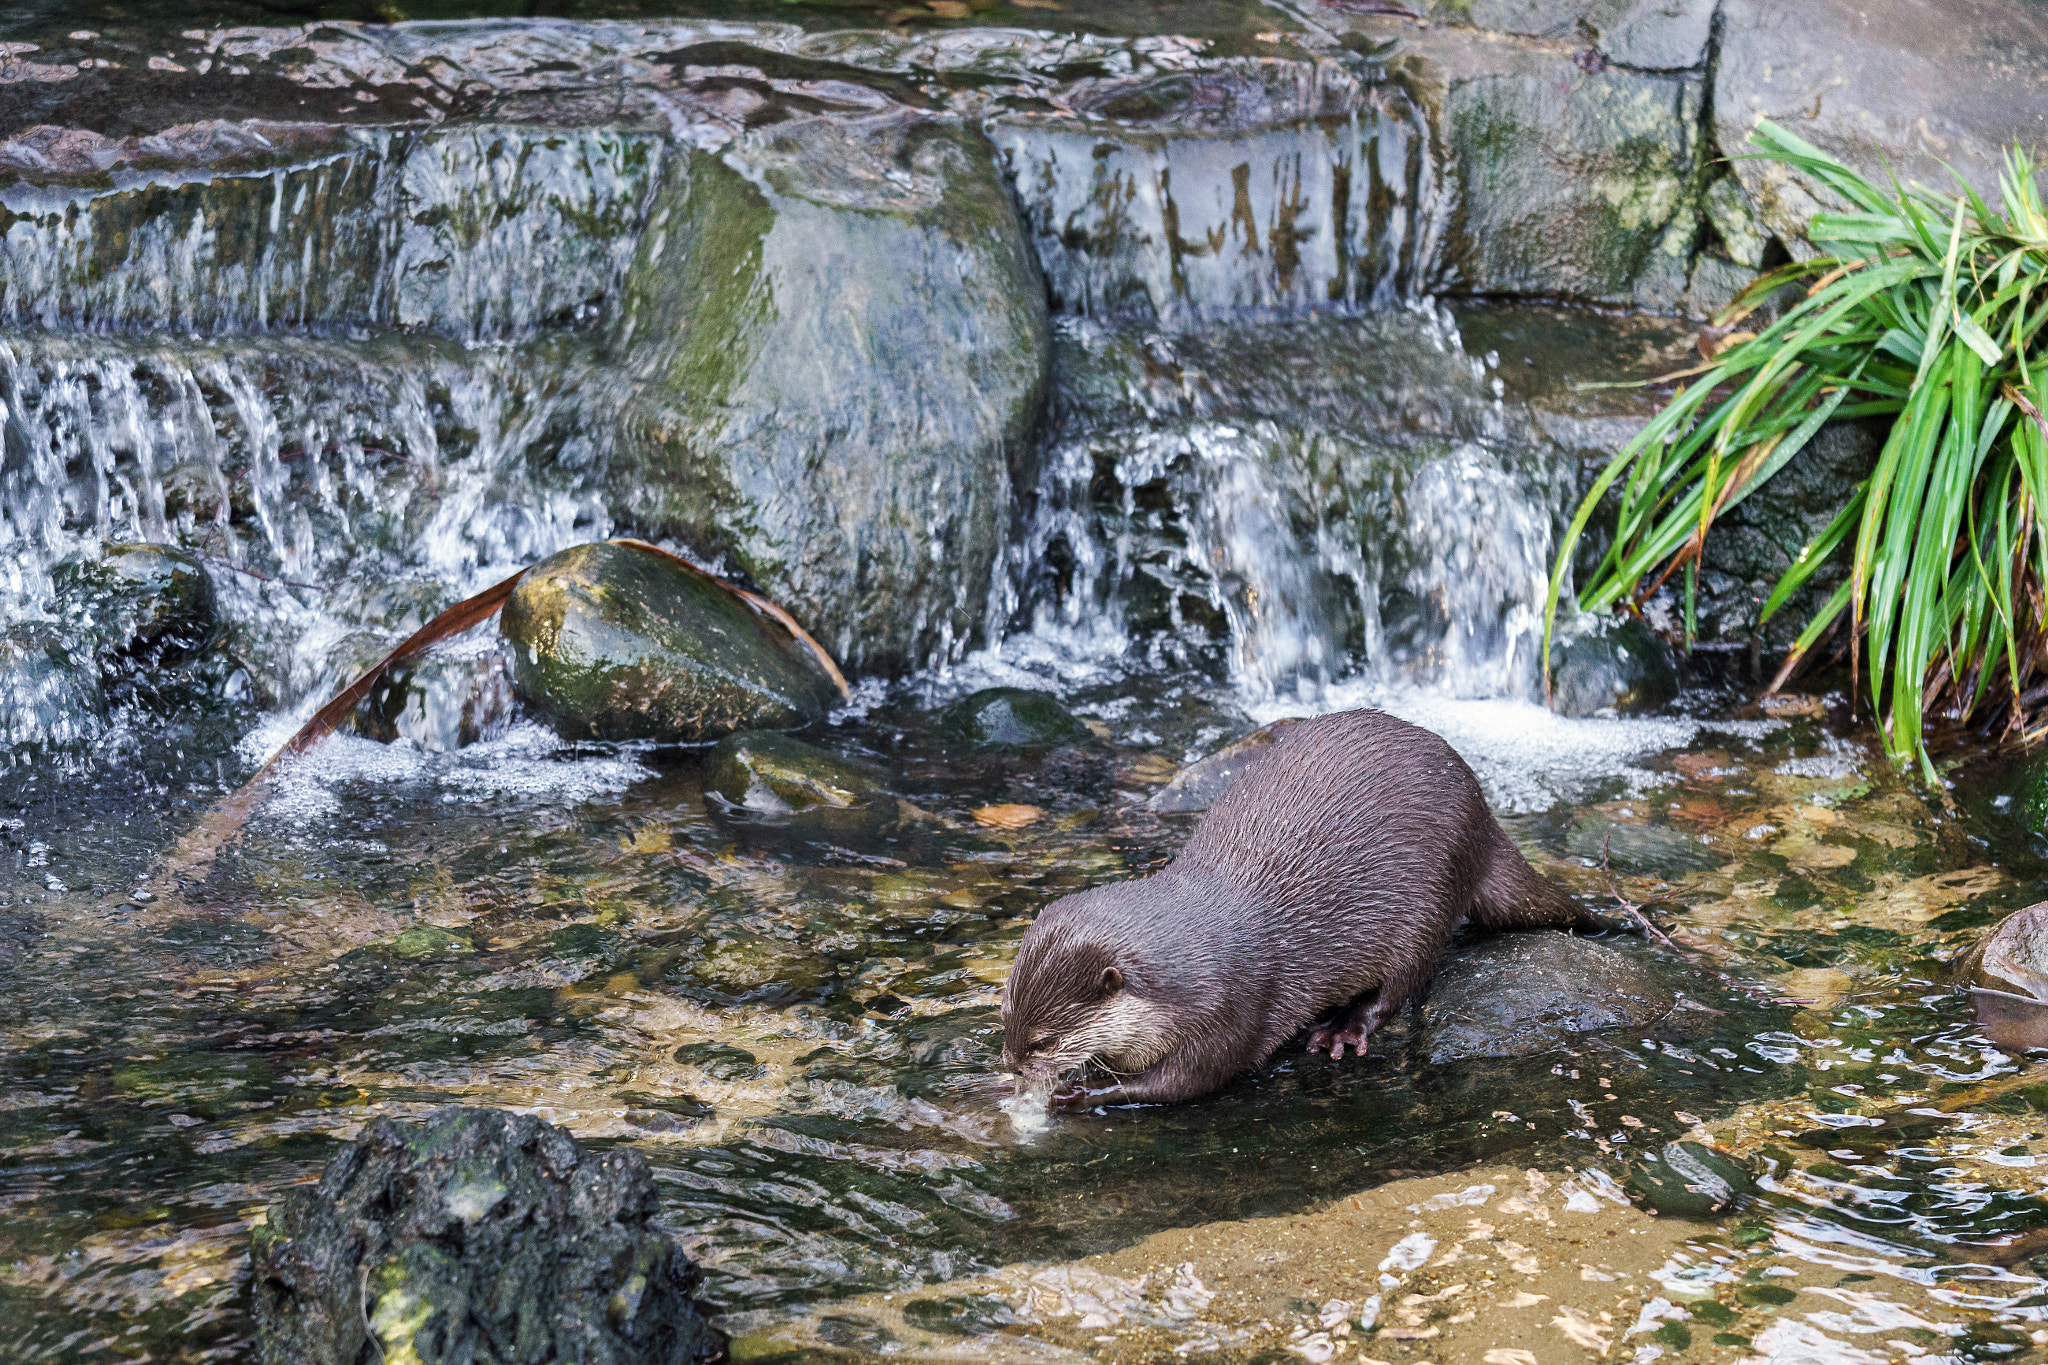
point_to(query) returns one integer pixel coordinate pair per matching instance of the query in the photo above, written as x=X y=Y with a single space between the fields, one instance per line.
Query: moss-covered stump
x=1009 y=718
x=841 y=341
x=480 y=1237
x=153 y=604
x=611 y=642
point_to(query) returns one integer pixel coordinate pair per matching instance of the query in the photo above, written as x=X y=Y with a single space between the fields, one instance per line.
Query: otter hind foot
x=1350 y=1029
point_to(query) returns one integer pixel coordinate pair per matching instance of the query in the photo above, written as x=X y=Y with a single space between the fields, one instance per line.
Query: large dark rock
x=1199 y=785
x=613 y=642
x=475 y=1237
x=1009 y=718
x=1617 y=666
x=1514 y=995
x=842 y=343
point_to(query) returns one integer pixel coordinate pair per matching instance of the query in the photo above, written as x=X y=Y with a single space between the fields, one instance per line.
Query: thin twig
x=1633 y=907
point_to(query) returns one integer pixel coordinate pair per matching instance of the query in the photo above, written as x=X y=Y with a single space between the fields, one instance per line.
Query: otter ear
x=1112 y=980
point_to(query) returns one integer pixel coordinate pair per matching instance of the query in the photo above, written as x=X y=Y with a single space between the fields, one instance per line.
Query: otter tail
x=1513 y=895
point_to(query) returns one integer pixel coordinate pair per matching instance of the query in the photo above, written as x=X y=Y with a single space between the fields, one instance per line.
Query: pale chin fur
x=1126 y=1034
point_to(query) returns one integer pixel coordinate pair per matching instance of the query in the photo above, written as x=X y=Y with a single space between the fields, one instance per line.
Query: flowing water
x=1267 y=483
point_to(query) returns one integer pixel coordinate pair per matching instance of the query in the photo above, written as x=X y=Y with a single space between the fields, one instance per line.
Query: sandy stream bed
x=1493 y=1266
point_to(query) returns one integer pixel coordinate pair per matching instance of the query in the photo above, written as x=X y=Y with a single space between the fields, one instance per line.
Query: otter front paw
x=1073 y=1096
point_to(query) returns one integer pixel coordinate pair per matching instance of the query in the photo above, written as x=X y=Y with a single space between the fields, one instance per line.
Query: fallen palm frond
x=1926 y=310
x=223 y=822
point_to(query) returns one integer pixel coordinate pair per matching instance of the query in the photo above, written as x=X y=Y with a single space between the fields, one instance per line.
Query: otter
x=1330 y=874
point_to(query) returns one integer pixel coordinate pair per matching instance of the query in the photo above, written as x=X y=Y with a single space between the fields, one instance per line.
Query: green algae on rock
x=613 y=642
x=1009 y=718
x=476 y=1236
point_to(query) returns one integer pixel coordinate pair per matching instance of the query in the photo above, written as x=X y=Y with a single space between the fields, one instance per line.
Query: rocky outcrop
x=138 y=604
x=1617 y=666
x=480 y=1237
x=615 y=642
x=1906 y=86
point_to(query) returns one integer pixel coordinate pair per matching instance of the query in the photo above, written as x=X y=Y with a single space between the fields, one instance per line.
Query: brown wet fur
x=1330 y=874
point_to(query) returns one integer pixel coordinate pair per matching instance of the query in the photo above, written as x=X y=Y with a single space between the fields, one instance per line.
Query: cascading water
x=1293 y=504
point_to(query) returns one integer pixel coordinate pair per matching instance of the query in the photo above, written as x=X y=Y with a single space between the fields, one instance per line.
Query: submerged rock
x=1611 y=666
x=612 y=642
x=149 y=604
x=1516 y=994
x=760 y=770
x=1689 y=1179
x=1650 y=850
x=779 y=784
x=1009 y=718
x=475 y=1237
x=1201 y=783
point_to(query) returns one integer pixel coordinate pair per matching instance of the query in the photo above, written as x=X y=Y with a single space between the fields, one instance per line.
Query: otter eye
x=1041 y=1042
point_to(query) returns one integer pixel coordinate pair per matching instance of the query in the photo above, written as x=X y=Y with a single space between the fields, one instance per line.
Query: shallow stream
x=1255 y=485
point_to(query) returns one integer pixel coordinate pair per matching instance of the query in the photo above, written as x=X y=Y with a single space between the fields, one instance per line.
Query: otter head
x=1086 y=989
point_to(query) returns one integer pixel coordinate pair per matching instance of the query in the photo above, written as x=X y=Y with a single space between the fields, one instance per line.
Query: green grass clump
x=1930 y=311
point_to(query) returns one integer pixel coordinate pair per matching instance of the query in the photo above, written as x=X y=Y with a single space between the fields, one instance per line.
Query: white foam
x=1527 y=758
x=526 y=762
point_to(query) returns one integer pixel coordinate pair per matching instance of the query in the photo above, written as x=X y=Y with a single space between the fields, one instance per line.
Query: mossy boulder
x=480 y=1237
x=612 y=642
x=1009 y=718
x=840 y=344
x=149 y=604
x=1617 y=666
